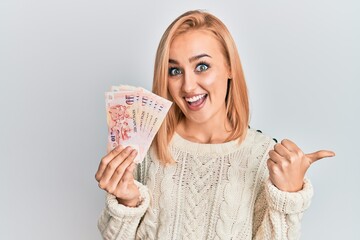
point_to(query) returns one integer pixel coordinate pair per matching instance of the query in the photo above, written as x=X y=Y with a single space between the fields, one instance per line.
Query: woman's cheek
x=214 y=82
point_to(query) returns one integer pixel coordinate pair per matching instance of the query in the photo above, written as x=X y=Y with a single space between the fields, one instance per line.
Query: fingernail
x=134 y=152
x=128 y=149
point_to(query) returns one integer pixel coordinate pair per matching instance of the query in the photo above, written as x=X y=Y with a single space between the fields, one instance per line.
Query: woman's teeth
x=195 y=98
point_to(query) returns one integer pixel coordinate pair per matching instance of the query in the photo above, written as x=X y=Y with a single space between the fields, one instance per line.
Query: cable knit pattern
x=213 y=191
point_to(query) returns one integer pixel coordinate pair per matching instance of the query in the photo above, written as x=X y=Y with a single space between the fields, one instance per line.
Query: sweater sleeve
x=118 y=221
x=277 y=214
x=121 y=222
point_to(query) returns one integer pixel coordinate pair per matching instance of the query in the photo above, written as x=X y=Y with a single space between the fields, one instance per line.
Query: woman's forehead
x=195 y=42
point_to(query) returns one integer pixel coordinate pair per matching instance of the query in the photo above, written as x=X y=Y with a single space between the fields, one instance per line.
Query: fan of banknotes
x=134 y=115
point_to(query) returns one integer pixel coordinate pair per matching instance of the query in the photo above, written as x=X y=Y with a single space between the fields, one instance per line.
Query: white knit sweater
x=214 y=191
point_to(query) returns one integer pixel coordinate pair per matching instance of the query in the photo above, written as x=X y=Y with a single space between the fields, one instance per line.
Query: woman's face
x=198 y=75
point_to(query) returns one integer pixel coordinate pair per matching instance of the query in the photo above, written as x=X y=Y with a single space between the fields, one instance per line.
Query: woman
x=207 y=175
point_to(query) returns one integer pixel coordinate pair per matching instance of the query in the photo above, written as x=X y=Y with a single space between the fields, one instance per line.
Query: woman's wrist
x=131 y=203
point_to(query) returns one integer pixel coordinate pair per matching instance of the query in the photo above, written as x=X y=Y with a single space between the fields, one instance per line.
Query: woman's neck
x=210 y=132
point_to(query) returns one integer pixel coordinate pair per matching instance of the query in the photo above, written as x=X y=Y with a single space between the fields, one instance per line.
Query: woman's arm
x=118 y=221
x=284 y=192
x=277 y=214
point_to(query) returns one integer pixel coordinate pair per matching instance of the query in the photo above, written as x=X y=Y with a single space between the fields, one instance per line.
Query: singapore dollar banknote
x=134 y=115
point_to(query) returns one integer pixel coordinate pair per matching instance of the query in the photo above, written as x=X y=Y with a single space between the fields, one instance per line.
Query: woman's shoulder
x=258 y=143
x=256 y=138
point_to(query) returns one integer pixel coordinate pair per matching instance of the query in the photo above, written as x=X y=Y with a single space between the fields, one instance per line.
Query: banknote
x=134 y=115
x=121 y=120
x=157 y=119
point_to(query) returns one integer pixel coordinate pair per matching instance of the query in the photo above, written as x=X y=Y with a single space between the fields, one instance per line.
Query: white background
x=57 y=58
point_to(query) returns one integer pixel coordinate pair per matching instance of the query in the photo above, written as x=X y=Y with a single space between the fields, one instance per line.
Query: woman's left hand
x=288 y=164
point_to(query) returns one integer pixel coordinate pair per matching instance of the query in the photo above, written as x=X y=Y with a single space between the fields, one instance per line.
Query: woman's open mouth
x=196 y=102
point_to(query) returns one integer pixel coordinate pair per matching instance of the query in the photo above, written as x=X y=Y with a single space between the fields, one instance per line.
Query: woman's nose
x=189 y=83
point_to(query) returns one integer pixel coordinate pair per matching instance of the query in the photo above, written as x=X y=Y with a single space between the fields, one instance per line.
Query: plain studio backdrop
x=57 y=58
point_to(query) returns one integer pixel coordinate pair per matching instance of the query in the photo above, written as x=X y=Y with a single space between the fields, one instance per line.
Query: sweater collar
x=199 y=148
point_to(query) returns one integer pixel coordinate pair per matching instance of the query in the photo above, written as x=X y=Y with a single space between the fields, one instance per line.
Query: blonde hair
x=237 y=103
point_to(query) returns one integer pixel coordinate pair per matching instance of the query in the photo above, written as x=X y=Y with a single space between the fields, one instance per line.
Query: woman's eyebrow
x=173 y=61
x=198 y=57
x=191 y=59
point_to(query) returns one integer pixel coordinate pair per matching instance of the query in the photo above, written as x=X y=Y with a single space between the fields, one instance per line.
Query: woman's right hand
x=115 y=175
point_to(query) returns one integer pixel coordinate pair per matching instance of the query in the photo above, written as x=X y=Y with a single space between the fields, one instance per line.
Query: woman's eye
x=174 y=71
x=201 y=67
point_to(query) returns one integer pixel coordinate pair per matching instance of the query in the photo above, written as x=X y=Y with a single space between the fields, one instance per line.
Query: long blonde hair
x=237 y=103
